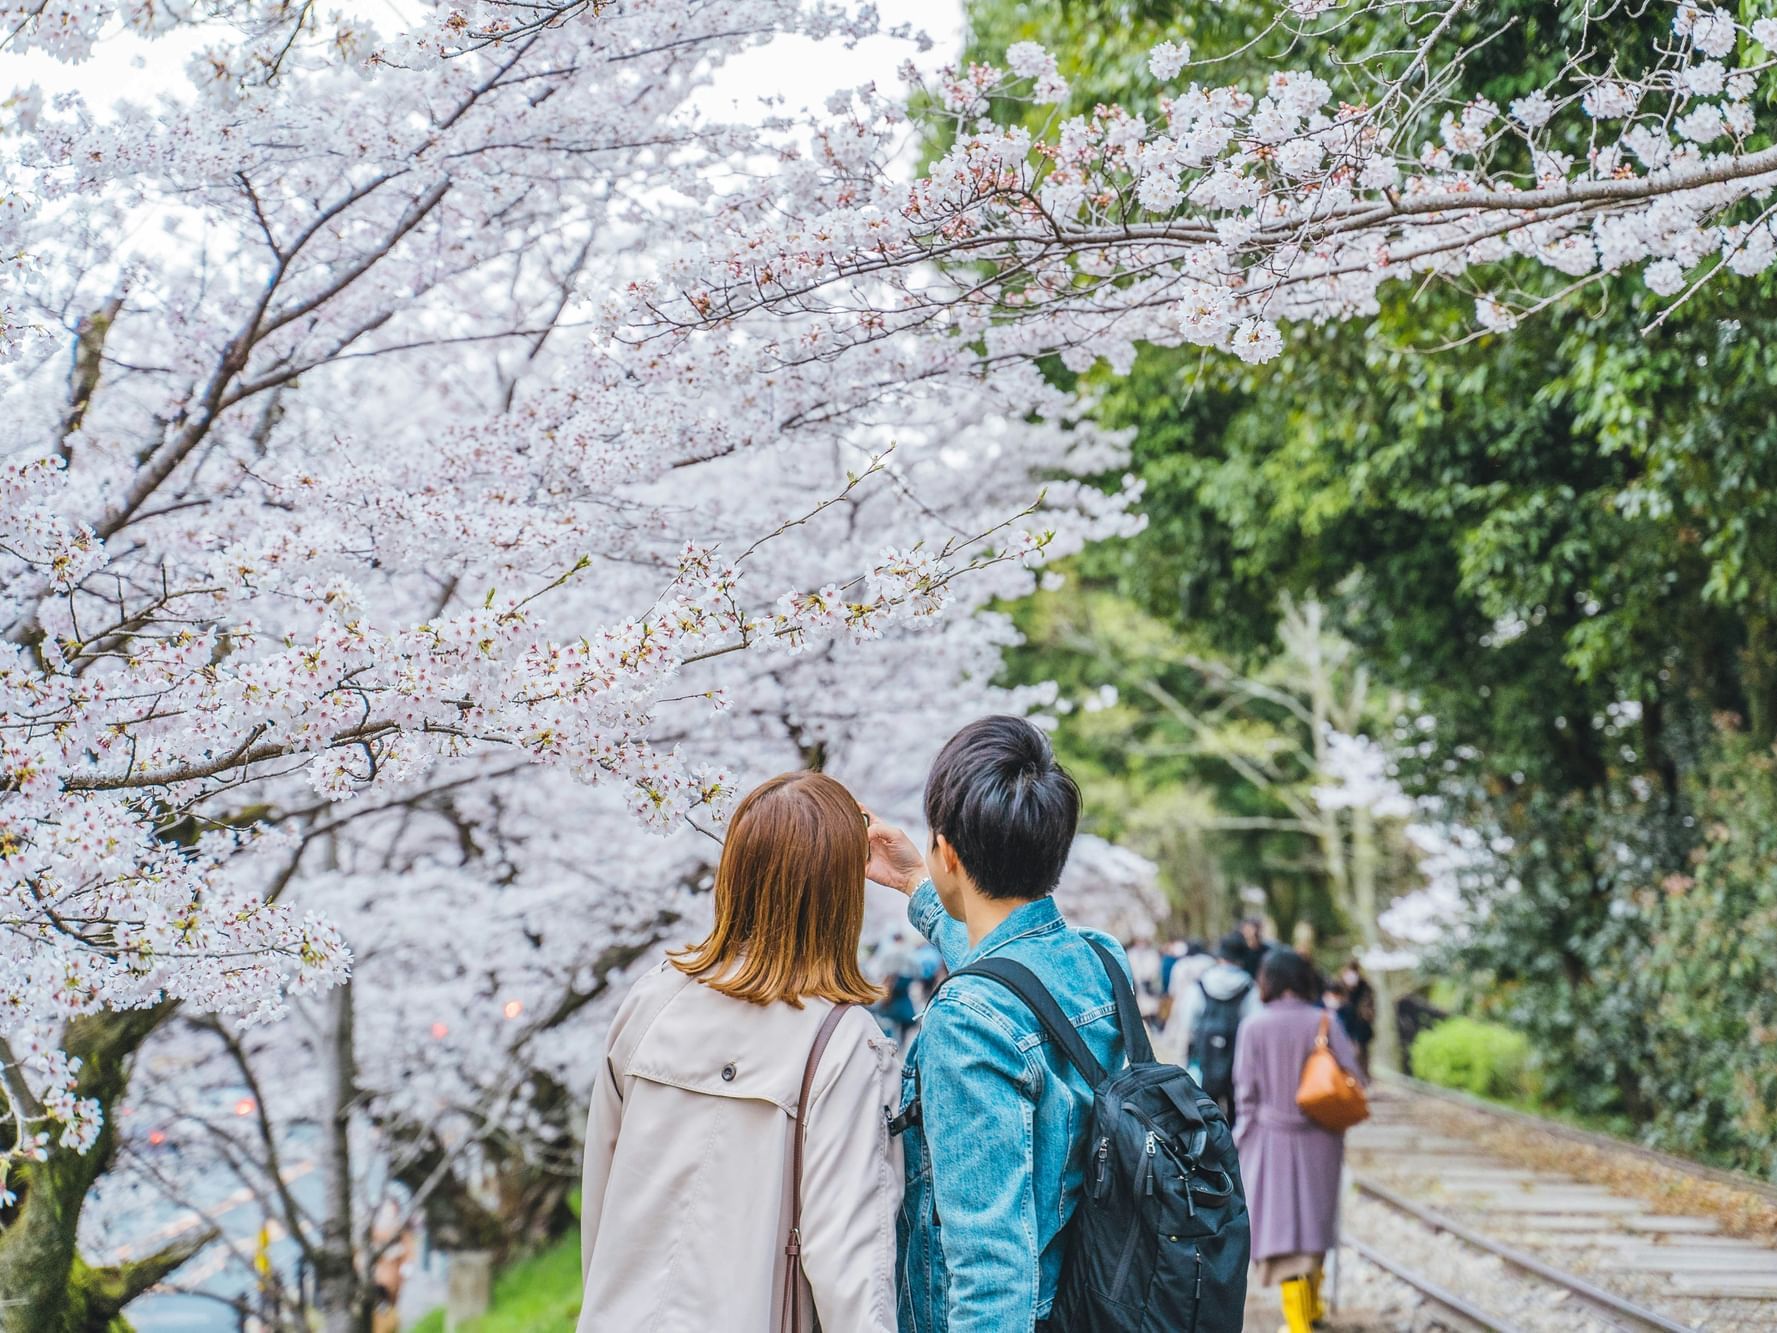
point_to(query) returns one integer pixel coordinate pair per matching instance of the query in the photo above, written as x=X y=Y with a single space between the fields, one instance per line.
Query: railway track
x=1737 y=1180
x=1490 y=1244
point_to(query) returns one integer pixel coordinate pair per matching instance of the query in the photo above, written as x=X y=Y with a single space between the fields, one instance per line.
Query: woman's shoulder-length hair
x=789 y=897
x=1286 y=972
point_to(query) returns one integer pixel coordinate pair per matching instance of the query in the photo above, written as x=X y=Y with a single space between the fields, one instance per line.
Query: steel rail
x=1529 y=1263
x=1591 y=1138
x=1438 y=1295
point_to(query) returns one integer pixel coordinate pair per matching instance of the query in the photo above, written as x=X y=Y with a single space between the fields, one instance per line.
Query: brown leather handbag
x=1328 y=1094
x=792 y=1320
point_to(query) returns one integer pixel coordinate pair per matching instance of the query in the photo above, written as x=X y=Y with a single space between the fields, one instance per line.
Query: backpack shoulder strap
x=1137 y=1049
x=1024 y=983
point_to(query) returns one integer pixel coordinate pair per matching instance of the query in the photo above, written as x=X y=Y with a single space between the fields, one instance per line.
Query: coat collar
x=688 y=1035
x=1039 y=916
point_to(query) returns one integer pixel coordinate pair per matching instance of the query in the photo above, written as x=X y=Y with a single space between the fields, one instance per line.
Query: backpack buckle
x=909 y=1117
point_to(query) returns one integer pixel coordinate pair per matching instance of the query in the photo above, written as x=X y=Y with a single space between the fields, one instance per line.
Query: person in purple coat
x=1290 y=1164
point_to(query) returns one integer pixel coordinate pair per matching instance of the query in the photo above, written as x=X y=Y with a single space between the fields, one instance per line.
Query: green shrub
x=1709 y=1002
x=538 y=1294
x=1480 y=1058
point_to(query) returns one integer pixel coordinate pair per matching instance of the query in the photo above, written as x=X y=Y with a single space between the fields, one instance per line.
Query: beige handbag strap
x=791 y=1319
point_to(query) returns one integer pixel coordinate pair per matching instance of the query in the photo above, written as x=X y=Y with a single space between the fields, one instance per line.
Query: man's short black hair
x=997 y=795
x=1233 y=948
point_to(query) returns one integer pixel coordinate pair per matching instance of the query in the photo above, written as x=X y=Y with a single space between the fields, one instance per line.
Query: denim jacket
x=995 y=1160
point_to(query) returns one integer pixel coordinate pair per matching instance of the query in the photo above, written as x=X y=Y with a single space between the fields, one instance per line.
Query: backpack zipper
x=1104 y=1150
x=1127 y=1258
x=1149 y=1169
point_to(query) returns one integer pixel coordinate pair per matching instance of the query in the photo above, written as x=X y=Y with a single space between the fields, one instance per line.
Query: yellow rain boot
x=1317 y=1307
x=1298 y=1305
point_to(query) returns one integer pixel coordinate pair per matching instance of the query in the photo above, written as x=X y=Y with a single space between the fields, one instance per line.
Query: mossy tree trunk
x=45 y=1285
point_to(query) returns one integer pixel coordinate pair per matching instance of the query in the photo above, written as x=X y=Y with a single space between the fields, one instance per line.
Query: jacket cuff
x=924 y=909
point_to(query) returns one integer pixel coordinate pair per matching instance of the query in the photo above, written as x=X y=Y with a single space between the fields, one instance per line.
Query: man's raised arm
x=896 y=863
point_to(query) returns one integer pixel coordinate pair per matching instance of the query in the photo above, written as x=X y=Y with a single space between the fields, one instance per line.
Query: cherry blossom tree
x=341 y=545
x=493 y=923
x=457 y=410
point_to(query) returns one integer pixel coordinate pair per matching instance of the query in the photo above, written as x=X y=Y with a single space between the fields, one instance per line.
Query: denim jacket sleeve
x=930 y=919
x=978 y=1115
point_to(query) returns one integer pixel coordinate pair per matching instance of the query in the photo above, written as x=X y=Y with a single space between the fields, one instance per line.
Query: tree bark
x=1365 y=860
x=342 y=1295
x=47 y=1286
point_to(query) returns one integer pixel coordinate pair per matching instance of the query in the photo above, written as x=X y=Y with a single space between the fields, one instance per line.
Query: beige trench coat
x=684 y=1205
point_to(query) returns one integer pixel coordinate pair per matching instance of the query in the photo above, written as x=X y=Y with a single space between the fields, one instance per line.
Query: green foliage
x=1560 y=543
x=1152 y=782
x=1709 y=997
x=539 y=1294
x=1484 y=1059
x=1206 y=764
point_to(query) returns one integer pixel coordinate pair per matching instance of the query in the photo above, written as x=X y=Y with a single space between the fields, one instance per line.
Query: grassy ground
x=540 y=1294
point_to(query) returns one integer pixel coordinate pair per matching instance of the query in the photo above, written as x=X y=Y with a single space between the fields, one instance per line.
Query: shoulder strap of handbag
x=791 y=1321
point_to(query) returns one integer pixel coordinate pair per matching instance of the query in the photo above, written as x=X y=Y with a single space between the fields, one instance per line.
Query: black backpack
x=1159 y=1242
x=1212 y=1041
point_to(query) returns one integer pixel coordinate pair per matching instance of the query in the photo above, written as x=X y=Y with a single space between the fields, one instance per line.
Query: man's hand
x=895 y=860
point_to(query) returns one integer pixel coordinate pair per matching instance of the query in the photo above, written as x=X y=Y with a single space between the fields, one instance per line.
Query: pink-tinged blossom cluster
x=1221 y=213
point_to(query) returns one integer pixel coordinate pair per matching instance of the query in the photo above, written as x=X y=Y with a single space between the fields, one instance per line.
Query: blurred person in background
x=1174 y=1042
x=1304 y=940
x=393 y=1245
x=1169 y=960
x=1254 y=944
x=1358 y=1014
x=1144 y=964
x=893 y=965
x=1208 y=1019
x=930 y=972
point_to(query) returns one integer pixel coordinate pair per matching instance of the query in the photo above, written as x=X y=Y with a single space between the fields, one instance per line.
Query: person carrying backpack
x=1056 y=1177
x=1209 y=1018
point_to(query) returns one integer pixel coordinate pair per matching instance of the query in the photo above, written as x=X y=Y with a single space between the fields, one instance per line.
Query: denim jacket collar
x=1032 y=918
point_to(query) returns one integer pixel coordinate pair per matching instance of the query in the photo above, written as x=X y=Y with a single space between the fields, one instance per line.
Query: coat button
x=728 y=1073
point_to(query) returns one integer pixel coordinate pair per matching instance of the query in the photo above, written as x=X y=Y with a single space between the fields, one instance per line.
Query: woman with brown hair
x=687 y=1217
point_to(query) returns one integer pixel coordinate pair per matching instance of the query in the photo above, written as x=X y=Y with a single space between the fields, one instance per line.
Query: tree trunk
x=342 y=1296
x=1365 y=860
x=47 y=1286
x=1758 y=671
x=1320 y=702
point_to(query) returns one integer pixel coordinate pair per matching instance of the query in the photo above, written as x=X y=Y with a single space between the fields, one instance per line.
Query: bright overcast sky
x=799 y=69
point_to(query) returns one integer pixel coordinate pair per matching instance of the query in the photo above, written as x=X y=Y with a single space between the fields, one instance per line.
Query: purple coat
x=1290 y=1165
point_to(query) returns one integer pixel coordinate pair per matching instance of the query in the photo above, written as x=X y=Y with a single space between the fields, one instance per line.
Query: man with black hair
x=994 y=1120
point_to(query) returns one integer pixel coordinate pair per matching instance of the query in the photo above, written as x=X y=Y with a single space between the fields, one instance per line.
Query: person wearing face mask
x=1357 y=1015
